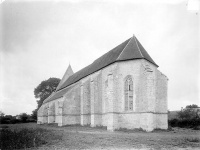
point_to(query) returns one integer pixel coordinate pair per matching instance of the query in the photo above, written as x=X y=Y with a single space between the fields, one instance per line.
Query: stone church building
x=121 y=89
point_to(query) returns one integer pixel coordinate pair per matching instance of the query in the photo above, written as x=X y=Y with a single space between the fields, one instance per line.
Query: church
x=121 y=89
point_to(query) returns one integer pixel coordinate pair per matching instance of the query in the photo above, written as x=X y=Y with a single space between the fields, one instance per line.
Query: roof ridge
x=128 y=50
x=138 y=47
x=123 y=49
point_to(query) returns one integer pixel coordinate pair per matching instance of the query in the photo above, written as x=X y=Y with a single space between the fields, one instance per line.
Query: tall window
x=128 y=93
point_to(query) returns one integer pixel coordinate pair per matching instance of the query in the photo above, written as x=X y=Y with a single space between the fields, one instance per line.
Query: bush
x=31 y=120
x=14 y=121
x=186 y=123
x=24 y=117
x=173 y=122
x=24 y=138
x=4 y=120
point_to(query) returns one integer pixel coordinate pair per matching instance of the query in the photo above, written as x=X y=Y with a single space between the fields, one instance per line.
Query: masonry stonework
x=103 y=97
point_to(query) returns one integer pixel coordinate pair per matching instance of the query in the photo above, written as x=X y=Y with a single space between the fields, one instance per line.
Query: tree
x=1 y=114
x=189 y=112
x=23 y=117
x=192 y=106
x=34 y=114
x=44 y=89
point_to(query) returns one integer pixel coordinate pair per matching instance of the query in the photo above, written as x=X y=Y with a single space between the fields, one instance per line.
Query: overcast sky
x=38 y=40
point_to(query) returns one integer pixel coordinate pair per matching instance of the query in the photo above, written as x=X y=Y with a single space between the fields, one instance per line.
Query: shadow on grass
x=130 y=130
x=192 y=139
x=136 y=130
x=87 y=126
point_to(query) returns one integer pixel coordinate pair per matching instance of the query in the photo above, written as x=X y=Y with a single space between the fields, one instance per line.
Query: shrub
x=173 y=122
x=31 y=120
x=24 y=138
x=24 y=117
x=9 y=120
x=14 y=121
x=185 y=123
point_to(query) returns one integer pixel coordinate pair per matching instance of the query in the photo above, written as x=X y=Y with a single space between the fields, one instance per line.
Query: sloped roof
x=128 y=50
x=67 y=74
x=57 y=94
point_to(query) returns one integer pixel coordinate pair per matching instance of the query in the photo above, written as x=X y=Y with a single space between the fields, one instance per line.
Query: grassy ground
x=77 y=137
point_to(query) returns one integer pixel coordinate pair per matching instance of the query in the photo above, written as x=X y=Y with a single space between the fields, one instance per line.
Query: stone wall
x=58 y=110
x=71 y=106
x=149 y=96
x=109 y=101
x=161 y=93
x=96 y=99
x=161 y=107
x=133 y=120
x=130 y=119
x=43 y=114
x=99 y=99
x=51 y=112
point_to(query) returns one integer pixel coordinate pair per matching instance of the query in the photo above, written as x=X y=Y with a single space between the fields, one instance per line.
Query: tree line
x=21 y=118
x=41 y=92
x=188 y=117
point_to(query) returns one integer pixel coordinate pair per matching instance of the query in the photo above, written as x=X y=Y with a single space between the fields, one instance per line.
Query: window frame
x=128 y=93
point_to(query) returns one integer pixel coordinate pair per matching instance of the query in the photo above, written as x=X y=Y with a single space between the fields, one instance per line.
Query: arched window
x=128 y=93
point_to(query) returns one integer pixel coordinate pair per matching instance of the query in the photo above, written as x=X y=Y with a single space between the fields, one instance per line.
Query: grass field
x=78 y=137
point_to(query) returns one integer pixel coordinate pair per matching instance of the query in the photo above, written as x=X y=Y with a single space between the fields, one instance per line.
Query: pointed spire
x=67 y=74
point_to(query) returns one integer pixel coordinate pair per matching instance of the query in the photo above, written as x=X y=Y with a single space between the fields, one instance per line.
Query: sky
x=39 y=39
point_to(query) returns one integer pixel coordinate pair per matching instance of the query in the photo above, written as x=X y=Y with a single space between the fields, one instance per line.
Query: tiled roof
x=128 y=50
x=101 y=62
x=57 y=94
